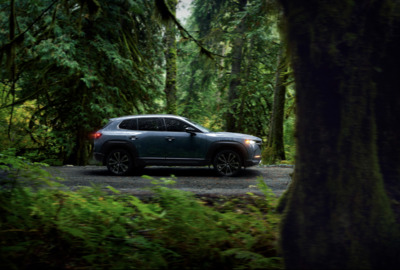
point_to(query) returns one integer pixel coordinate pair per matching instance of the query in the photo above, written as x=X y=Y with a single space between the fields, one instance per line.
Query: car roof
x=146 y=115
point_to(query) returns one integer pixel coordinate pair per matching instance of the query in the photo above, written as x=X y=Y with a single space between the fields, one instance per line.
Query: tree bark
x=388 y=116
x=11 y=55
x=237 y=51
x=338 y=215
x=171 y=64
x=275 y=139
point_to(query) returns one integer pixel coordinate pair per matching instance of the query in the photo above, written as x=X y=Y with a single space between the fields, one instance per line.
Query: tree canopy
x=70 y=65
x=81 y=62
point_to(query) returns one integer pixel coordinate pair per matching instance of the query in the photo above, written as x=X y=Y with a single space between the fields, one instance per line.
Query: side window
x=151 y=124
x=175 y=125
x=130 y=124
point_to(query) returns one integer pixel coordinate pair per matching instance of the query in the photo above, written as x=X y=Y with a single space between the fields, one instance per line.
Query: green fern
x=48 y=225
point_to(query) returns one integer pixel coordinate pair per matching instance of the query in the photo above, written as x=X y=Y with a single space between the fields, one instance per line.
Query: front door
x=181 y=144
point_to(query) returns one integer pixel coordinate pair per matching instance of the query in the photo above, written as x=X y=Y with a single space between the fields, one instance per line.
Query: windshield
x=198 y=126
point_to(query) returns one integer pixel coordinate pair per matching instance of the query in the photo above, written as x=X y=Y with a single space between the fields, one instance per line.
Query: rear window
x=151 y=124
x=130 y=124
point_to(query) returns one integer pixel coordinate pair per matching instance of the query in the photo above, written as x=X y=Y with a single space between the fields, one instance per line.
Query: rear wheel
x=227 y=163
x=119 y=162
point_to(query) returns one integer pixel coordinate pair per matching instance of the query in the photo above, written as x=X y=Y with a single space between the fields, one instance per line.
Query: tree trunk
x=338 y=215
x=11 y=55
x=237 y=51
x=276 y=148
x=171 y=65
x=192 y=99
x=388 y=118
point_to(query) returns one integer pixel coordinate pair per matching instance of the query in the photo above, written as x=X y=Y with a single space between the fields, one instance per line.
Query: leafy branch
x=167 y=14
x=20 y=37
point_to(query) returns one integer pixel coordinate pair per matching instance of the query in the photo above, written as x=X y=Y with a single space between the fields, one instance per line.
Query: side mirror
x=191 y=130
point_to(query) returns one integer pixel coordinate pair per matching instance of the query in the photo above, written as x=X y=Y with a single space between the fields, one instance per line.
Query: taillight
x=96 y=135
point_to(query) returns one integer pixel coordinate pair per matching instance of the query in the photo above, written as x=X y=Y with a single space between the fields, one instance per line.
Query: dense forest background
x=68 y=66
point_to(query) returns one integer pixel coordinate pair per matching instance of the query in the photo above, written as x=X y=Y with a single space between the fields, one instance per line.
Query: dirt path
x=201 y=181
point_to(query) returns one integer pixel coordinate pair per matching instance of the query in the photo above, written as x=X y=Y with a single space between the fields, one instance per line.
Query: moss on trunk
x=236 y=72
x=171 y=63
x=275 y=150
x=338 y=215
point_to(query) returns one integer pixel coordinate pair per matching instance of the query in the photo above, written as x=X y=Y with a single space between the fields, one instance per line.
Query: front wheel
x=119 y=162
x=227 y=163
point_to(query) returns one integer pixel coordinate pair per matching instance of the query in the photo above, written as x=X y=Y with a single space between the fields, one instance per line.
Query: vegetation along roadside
x=90 y=229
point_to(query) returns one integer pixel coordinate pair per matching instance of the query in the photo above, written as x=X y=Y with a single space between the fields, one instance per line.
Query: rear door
x=150 y=140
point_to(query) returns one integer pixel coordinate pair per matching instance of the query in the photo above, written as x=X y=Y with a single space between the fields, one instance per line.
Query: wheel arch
x=112 y=145
x=227 y=145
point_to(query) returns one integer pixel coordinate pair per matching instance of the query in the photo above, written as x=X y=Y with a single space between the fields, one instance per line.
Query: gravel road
x=201 y=181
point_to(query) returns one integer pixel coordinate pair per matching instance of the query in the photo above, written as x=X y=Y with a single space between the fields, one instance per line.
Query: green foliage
x=268 y=156
x=81 y=62
x=37 y=143
x=289 y=139
x=45 y=225
x=204 y=83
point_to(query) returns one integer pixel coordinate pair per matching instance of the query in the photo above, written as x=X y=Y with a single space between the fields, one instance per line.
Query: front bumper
x=254 y=156
x=252 y=162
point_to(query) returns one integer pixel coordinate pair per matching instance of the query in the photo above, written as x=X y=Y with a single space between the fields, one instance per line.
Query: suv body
x=133 y=142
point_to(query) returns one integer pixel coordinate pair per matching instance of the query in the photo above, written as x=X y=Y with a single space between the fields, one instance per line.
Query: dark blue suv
x=133 y=142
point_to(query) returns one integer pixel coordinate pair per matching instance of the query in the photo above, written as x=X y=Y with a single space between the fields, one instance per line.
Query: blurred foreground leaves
x=42 y=224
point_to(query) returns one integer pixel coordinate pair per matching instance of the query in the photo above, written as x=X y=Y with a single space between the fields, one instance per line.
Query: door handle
x=133 y=138
x=170 y=139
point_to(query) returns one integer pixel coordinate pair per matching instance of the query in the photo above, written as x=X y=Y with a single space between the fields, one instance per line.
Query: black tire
x=119 y=162
x=227 y=163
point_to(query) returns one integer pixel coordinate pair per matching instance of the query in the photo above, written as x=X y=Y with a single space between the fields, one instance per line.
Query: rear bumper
x=98 y=157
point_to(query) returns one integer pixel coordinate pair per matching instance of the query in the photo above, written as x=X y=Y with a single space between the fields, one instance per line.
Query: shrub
x=44 y=225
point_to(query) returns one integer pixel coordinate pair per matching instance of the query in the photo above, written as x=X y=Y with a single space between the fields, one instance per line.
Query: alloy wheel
x=119 y=162
x=227 y=163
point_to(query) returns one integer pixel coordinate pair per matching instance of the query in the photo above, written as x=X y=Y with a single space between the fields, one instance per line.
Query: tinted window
x=175 y=125
x=154 y=124
x=130 y=124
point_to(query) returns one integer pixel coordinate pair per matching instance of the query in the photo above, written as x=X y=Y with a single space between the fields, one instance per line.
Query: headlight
x=250 y=142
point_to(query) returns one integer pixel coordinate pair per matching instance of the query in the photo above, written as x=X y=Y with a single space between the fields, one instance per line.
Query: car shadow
x=178 y=172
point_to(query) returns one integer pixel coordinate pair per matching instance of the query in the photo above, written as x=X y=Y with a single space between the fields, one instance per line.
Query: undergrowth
x=45 y=225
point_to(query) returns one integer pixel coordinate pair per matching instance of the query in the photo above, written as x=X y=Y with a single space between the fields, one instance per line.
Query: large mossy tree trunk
x=338 y=215
x=388 y=116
